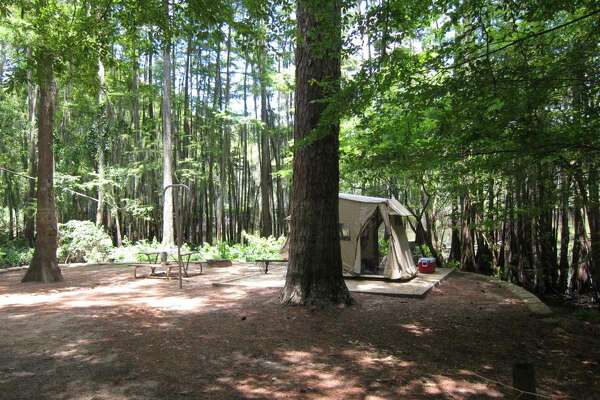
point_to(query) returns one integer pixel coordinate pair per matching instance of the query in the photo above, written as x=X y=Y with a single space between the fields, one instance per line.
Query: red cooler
x=426 y=265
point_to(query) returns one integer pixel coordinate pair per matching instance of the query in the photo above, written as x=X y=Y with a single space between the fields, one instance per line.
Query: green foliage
x=384 y=246
x=423 y=251
x=258 y=247
x=14 y=254
x=255 y=247
x=589 y=315
x=132 y=252
x=452 y=264
x=83 y=241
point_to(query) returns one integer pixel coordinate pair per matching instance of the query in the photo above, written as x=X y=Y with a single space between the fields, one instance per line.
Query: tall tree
x=102 y=105
x=314 y=275
x=32 y=155
x=44 y=265
x=168 y=237
x=266 y=182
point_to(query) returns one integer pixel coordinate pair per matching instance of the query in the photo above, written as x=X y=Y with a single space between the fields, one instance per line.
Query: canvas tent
x=362 y=221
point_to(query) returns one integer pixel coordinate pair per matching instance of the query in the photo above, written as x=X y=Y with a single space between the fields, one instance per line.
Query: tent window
x=344 y=232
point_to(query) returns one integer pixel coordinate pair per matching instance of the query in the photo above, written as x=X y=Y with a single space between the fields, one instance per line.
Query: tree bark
x=580 y=247
x=150 y=83
x=564 y=232
x=217 y=195
x=101 y=138
x=455 y=240
x=314 y=275
x=593 y=217
x=44 y=264
x=266 y=183
x=32 y=157
x=168 y=237
x=467 y=261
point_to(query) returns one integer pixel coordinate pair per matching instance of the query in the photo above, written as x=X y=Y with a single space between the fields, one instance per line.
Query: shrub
x=384 y=247
x=261 y=248
x=14 y=256
x=83 y=241
x=255 y=247
x=133 y=252
x=588 y=315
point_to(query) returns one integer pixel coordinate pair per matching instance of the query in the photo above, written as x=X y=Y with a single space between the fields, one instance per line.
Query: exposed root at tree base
x=316 y=296
x=44 y=271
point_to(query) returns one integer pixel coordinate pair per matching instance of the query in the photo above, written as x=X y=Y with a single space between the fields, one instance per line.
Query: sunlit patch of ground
x=103 y=335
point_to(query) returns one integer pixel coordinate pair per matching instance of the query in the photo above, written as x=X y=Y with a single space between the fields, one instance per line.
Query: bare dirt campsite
x=101 y=334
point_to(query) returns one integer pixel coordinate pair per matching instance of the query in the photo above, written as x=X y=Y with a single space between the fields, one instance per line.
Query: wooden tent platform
x=415 y=288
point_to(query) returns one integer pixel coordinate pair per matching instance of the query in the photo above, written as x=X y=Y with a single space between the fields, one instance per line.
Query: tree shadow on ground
x=145 y=339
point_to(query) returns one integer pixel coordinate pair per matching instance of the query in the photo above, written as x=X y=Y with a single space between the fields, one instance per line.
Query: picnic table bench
x=267 y=261
x=152 y=257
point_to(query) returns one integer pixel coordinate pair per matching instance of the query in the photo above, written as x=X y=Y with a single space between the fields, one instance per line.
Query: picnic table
x=267 y=261
x=153 y=255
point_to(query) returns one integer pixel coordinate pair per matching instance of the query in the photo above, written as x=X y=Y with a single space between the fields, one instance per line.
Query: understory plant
x=83 y=241
x=14 y=254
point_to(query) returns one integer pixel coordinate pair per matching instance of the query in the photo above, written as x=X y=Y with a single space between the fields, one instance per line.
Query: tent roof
x=396 y=207
x=362 y=199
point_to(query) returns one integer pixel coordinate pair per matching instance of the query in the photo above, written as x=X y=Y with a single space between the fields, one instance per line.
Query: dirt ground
x=103 y=335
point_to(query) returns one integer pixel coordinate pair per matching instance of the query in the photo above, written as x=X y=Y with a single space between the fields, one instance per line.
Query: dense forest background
x=481 y=116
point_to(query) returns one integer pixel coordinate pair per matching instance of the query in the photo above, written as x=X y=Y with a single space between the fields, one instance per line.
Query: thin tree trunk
x=118 y=236
x=168 y=237
x=135 y=101
x=10 y=206
x=564 y=232
x=217 y=194
x=101 y=139
x=32 y=157
x=593 y=217
x=225 y=145
x=150 y=83
x=245 y=165
x=266 y=183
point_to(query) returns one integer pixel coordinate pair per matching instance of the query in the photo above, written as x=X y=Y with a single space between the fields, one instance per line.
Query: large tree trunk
x=546 y=265
x=467 y=252
x=168 y=238
x=455 y=240
x=580 y=246
x=314 y=273
x=44 y=265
